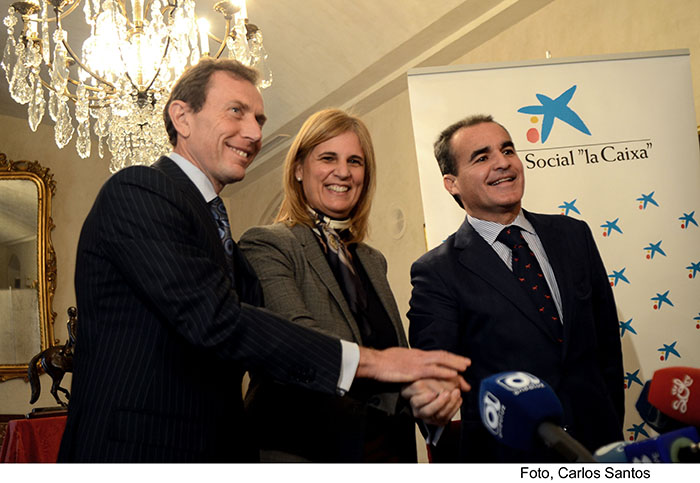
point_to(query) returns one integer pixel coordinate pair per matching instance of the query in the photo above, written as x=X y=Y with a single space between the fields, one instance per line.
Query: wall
x=77 y=183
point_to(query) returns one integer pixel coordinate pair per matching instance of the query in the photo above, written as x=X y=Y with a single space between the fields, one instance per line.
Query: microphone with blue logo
x=678 y=446
x=520 y=410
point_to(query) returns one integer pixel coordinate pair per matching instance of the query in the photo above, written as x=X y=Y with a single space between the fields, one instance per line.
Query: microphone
x=675 y=391
x=611 y=453
x=519 y=409
x=679 y=446
x=657 y=420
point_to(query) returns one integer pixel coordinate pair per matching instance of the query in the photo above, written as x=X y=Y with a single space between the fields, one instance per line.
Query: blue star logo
x=618 y=275
x=631 y=377
x=611 y=226
x=654 y=248
x=636 y=430
x=553 y=109
x=662 y=299
x=687 y=219
x=569 y=206
x=626 y=326
x=645 y=199
x=695 y=267
x=669 y=350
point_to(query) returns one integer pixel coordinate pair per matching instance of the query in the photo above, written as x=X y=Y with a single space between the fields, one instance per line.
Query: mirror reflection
x=27 y=264
x=19 y=304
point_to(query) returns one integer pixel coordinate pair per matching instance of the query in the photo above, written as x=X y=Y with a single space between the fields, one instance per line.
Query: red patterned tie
x=529 y=275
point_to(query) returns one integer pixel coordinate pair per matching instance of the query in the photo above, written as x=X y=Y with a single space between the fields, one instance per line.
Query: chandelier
x=120 y=82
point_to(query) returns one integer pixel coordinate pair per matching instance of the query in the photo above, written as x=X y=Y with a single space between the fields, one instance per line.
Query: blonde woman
x=315 y=270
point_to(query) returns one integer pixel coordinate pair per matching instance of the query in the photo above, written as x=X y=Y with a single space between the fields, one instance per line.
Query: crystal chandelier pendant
x=118 y=85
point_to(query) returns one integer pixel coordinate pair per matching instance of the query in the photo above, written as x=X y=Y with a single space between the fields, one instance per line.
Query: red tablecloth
x=32 y=440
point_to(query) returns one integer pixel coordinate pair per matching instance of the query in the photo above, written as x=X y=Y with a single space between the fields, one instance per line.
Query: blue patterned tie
x=529 y=275
x=218 y=211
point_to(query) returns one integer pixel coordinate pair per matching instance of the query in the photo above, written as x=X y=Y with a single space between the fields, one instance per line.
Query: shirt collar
x=195 y=175
x=489 y=230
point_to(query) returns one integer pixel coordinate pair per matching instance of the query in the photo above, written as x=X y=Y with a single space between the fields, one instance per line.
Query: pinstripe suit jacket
x=299 y=284
x=163 y=339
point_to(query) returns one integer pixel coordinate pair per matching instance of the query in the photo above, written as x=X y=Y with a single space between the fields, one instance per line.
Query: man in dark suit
x=467 y=300
x=167 y=306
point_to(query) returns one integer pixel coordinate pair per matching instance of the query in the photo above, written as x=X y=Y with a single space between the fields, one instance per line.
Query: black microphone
x=519 y=409
x=658 y=421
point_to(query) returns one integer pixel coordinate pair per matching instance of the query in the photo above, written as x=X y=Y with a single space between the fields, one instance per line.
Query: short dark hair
x=443 y=145
x=193 y=84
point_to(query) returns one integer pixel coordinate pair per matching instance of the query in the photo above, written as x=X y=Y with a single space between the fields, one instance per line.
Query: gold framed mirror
x=27 y=264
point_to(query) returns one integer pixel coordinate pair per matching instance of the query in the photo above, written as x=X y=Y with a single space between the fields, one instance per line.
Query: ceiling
x=341 y=53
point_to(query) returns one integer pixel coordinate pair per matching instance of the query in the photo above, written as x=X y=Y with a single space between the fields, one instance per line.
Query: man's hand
x=398 y=364
x=435 y=401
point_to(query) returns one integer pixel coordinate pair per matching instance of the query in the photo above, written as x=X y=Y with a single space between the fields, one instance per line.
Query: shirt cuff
x=434 y=433
x=351 y=359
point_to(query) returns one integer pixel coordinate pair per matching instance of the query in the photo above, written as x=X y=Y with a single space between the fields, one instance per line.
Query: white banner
x=611 y=140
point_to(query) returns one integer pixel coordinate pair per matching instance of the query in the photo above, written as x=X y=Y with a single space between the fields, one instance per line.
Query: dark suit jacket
x=162 y=339
x=299 y=284
x=466 y=300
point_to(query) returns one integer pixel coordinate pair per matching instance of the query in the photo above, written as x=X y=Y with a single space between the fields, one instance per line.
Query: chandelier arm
x=122 y=7
x=66 y=92
x=63 y=14
x=85 y=67
x=160 y=66
x=87 y=87
x=222 y=43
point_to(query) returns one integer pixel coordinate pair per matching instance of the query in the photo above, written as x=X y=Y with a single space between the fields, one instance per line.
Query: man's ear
x=179 y=114
x=449 y=181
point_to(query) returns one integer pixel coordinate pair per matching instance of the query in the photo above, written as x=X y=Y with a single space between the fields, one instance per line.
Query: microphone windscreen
x=611 y=453
x=675 y=391
x=512 y=406
x=664 y=448
x=651 y=415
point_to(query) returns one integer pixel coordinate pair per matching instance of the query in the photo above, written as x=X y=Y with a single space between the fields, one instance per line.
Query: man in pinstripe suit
x=169 y=319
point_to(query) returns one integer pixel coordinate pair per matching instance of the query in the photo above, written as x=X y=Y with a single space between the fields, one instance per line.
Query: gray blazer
x=299 y=284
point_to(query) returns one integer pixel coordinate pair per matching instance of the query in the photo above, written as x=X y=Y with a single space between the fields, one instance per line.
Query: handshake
x=434 y=386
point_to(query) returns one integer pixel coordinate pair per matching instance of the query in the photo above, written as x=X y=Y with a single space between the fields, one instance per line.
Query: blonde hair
x=317 y=129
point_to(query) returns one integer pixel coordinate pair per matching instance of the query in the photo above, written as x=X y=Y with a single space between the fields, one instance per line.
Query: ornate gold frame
x=46 y=271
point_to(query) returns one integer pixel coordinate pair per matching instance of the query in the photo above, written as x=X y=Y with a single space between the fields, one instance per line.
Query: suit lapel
x=477 y=256
x=247 y=285
x=380 y=284
x=319 y=264
x=196 y=200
